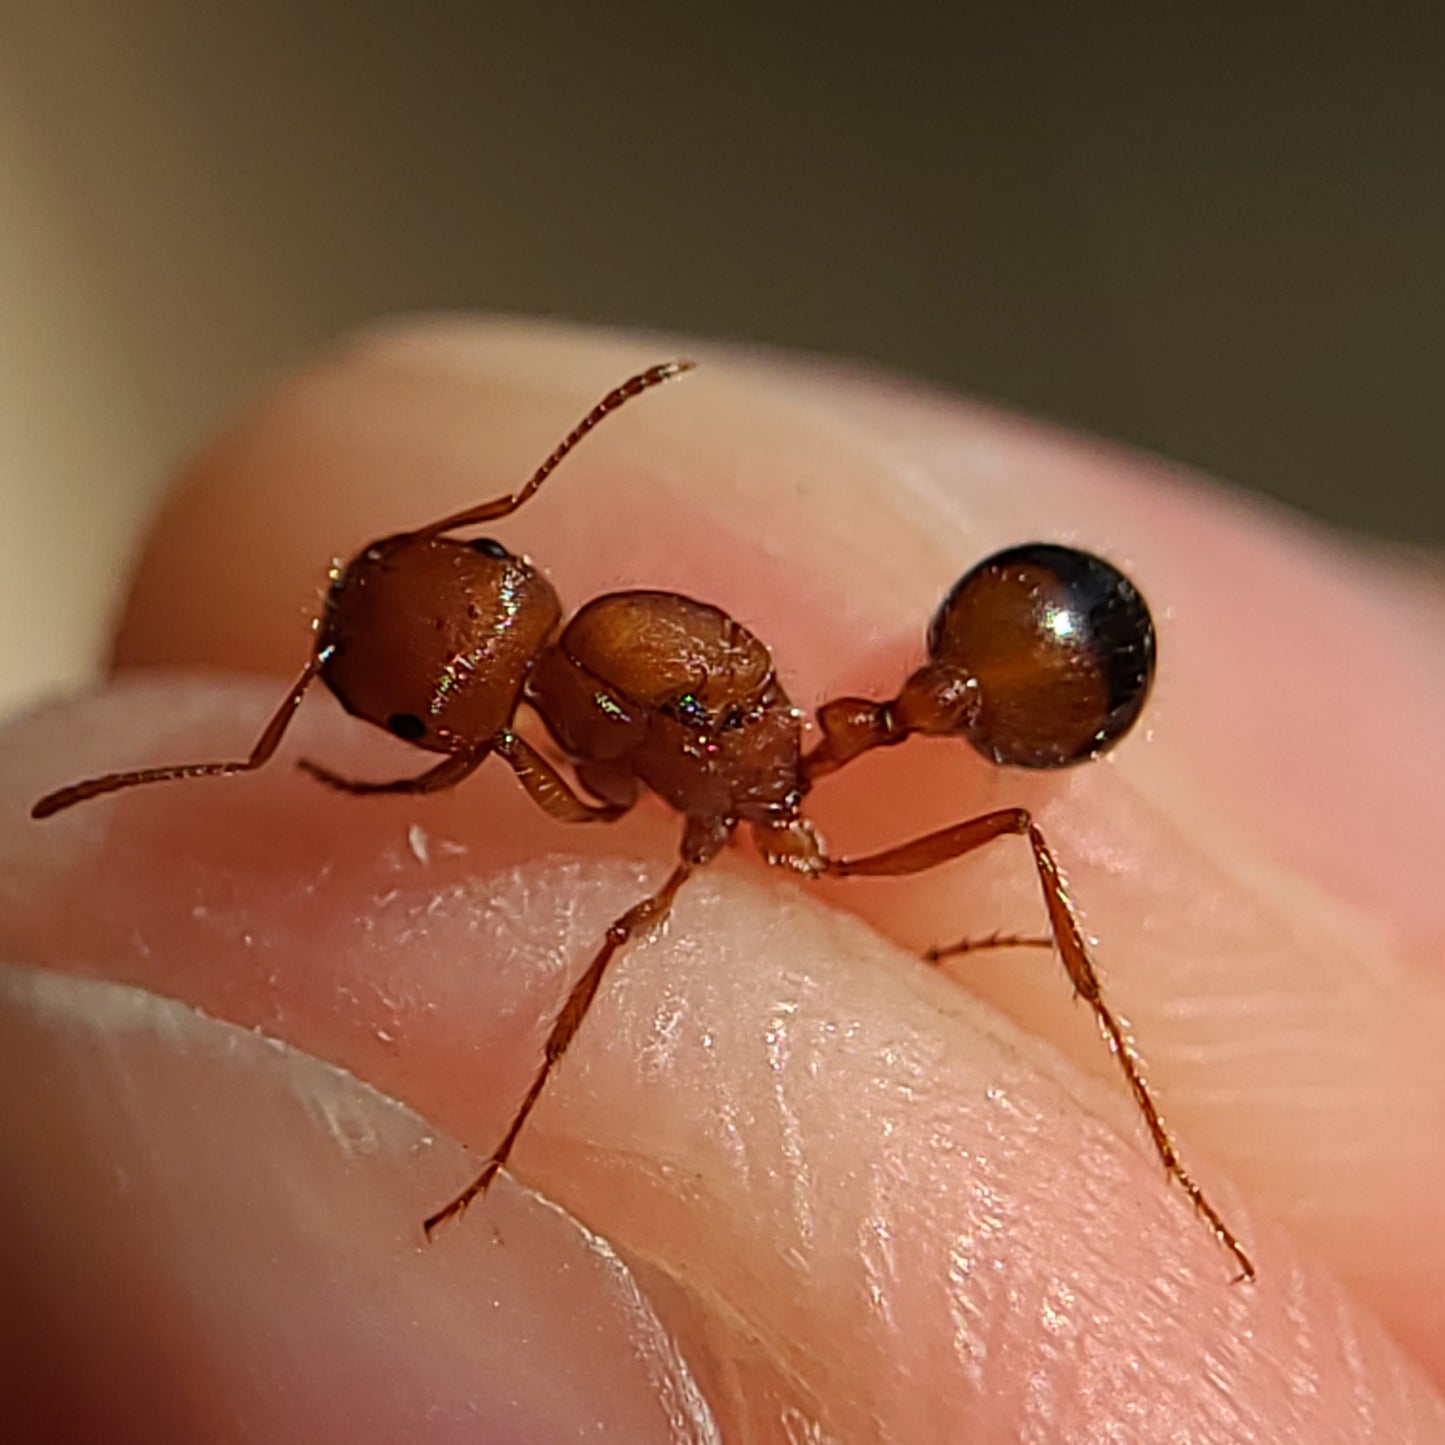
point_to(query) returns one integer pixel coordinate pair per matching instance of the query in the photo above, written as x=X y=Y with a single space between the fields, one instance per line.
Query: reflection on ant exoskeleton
x=1041 y=656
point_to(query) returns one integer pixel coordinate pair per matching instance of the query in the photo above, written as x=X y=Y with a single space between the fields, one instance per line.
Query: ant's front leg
x=452 y=770
x=551 y=792
x=546 y=787
x=259 y=756
x=933 y=849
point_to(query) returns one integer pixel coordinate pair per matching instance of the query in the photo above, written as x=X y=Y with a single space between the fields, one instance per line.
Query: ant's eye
x=407 y=726
x=489 y=547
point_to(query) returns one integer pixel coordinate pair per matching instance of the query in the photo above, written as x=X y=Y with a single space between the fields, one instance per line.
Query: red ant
x=1040 y=656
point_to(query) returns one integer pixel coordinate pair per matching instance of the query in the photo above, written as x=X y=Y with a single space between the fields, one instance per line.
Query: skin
x=790 y=1184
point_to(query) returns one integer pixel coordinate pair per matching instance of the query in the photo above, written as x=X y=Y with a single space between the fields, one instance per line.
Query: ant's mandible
x=1040 y=656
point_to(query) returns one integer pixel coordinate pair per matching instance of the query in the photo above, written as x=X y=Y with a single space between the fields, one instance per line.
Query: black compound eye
x=489 y=547
x=1061 y=647
x=407 y=726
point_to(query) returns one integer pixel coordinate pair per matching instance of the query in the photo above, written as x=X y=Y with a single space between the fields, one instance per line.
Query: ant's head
x=1040 y=656
x=432 y=638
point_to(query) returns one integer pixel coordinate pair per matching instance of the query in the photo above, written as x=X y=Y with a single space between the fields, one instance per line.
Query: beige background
x=1222 y=240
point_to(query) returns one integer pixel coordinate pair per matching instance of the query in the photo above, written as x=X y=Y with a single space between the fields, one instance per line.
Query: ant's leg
x=648 y=913
x=505 y=506
x=939 y=952
x=548 y=789
x=266 y=744
x=544 y=784
x=446 y=774
x=932 y=849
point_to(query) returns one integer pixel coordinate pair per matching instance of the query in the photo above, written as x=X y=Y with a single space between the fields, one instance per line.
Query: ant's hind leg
x=932 y=849
x=939 y=952
x=446 y=774
x=650 y=912
x=544 y=784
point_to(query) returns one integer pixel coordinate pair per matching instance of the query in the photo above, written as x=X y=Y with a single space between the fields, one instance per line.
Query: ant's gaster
x=1040 y=656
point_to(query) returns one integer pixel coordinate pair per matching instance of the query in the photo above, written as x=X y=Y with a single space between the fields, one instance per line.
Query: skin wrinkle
x=782 y=1055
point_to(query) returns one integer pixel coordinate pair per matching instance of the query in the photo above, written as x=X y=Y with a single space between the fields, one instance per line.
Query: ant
x=1040 y=657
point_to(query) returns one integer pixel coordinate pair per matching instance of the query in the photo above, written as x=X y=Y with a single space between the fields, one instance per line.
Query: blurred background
x=1218 y=238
